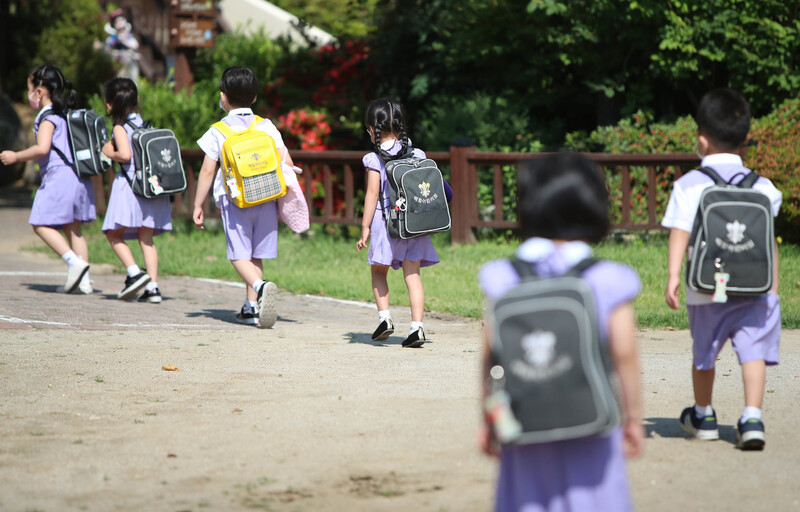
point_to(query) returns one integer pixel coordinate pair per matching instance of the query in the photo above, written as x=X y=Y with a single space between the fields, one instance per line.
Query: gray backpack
x=548 y=364
x=417 y=203
x=87 y=135
x=733 y=233
x=158 y=169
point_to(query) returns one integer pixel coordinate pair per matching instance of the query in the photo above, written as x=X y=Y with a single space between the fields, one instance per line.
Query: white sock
x=415 y=326
x=250 y=304
x=703 y=410
x=133 y=270
x=750 y=413
x=71 y=258
x=257 y=284
x=151 y=286
x=85 y=279
x=384 y=315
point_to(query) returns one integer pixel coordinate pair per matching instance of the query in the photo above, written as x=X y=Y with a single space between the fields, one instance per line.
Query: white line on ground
x=317 y=297
x=23 y=273
x=13 y=320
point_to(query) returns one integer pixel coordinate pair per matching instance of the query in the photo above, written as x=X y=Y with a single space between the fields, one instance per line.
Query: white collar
x=46 y=108
x=244 y=111
x=387 y=144
x=537 y=249
x=722 y=159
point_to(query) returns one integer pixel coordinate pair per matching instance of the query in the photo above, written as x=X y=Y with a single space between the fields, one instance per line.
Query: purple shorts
x=250 y=232
x=752 y=324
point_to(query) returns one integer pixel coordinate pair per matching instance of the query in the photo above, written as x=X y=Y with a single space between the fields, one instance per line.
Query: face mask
x=220 y=105
x=35 y=103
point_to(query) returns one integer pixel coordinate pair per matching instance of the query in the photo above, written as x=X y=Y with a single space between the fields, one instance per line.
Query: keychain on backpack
x=505 y=425
x=721 y=279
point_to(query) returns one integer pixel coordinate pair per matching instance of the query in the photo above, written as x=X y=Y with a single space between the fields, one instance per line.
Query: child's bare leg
x=252 y=295
x=121 y=249
x=149 y=252
x=380 y=286
x=703 y=383
x=53 y=239
x=754 y=375
x=250 y=272
x=76 y=240
x=416 y=293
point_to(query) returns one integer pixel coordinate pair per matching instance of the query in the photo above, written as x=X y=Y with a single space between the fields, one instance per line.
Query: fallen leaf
x=170 y=368
x=237 y=410
x=172 y=456
x=670 y=328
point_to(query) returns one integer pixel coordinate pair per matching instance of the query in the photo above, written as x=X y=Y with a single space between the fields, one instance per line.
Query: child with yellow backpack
x=248 y=151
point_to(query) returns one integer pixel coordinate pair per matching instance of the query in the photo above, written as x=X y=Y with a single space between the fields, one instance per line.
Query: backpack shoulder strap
x=749 y=180
x=386 y=156
x=53 y=146
x=581 y=267
x=523 y=268
x=711 y=173
x=226 y=130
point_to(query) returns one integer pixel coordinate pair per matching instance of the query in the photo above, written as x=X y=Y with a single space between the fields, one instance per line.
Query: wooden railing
x=483 y=186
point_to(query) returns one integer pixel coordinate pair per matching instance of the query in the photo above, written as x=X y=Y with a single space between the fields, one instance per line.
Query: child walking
x=251 y=234
x=129 y=216
x=752 y=324
x=385 y=125
x=563 y=206
x=63 y=200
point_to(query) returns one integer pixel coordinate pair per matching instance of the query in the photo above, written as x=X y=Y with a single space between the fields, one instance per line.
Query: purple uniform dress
x=62 y=198
x=250 y=232
x=383 y=249
x=129 y=211
x=579 y=475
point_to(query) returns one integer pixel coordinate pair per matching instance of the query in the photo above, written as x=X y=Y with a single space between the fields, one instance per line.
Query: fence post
x=465 y=202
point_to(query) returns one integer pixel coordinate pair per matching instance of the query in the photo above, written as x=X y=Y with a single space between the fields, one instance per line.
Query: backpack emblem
x=539 y=348
x=255 y=156
x=425 y=189
x=735 y=231
x=166 y=154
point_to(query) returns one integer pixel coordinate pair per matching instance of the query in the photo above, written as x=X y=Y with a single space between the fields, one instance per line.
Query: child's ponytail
x=62 y=93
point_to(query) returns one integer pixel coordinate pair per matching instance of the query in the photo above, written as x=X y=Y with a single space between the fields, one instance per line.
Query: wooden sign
x=194 y=33
x=195 y=7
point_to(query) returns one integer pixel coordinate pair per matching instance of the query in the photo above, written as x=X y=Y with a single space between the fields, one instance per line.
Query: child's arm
x=676 y=248
x=775 y=272
x=204 y=180
x=44 y=141
x=370 y=202
x=622 y=344
x=285 y=157
x=485 y=440
x=122 y=153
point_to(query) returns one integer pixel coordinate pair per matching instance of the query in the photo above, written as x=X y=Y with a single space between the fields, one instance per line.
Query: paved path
x=310 y=415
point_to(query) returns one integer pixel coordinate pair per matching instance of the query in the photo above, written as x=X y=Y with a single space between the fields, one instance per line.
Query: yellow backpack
x=251 y=165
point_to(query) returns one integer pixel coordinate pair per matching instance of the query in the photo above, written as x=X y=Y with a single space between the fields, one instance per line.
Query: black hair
x=562 y=197
x=387 y=115
x=240 y=85
x=123 y=96
x=62 y=93
x=724 y=117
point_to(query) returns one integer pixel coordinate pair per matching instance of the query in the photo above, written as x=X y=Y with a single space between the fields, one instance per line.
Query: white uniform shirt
x=685 y=199
x=211 y=141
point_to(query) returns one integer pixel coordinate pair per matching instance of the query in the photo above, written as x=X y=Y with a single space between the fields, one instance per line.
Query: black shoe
x=133 y=285
x=704 y=428
x=152 y=296
x=247 y=316
x=384 y=330
x=415 y=339
x=750 y=434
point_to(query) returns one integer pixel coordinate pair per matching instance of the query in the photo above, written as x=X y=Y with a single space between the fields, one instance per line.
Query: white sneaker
x=267 y=314
x=83 y=288
x=75 y=274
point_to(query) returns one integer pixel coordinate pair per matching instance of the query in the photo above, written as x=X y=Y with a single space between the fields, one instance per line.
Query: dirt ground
x=310 y=415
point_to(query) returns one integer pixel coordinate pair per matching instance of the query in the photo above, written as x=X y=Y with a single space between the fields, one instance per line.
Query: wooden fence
x=483 y=186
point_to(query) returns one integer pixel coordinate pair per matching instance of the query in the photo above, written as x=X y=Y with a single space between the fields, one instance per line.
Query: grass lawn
x=328 y=264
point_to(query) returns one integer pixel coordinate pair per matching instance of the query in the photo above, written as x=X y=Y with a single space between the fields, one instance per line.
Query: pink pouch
x=292 y=207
